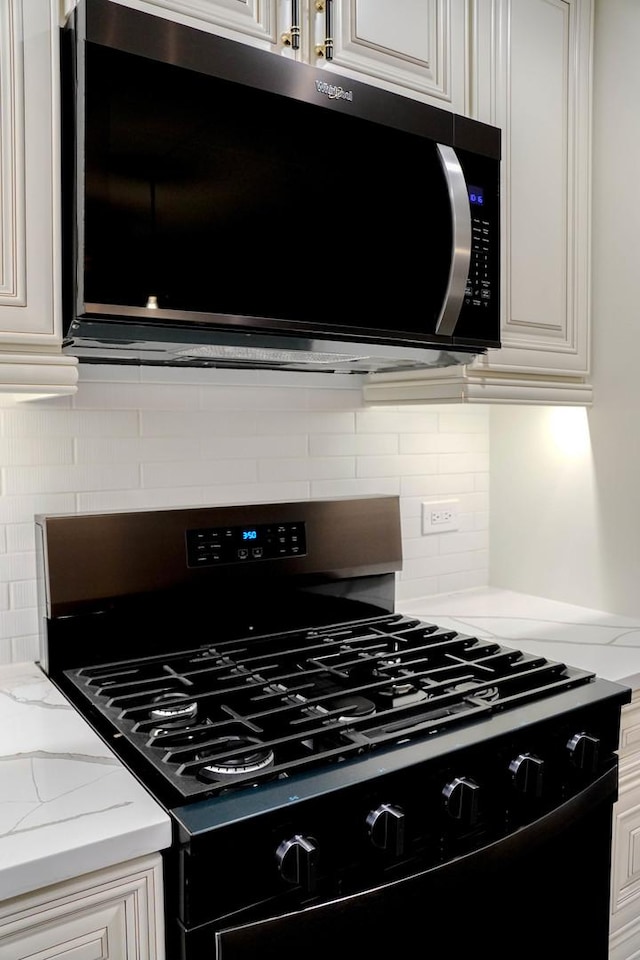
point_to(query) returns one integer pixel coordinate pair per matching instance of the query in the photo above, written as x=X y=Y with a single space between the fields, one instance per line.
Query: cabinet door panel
x=254 y=18
x=28 y=303
x=112 y=914
x=542 y=103
x=419 y=47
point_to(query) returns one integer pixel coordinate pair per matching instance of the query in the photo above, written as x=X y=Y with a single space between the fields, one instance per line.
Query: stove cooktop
x=245 y=711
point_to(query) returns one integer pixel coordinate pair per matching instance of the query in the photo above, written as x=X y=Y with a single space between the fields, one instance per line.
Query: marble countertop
x=605 y=643
x=67 y=805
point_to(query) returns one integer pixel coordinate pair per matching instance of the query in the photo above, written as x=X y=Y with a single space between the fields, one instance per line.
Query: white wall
x=563 y=525
x=143 y=437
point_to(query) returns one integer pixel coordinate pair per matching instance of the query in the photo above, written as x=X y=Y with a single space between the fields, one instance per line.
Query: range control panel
x=245 y=544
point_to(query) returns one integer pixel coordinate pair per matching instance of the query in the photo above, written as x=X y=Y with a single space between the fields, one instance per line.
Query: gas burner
x=487 y=693
x=185 y=737
x=349 y=708
x=402 y=693
x=249 y=761
x=171 y=713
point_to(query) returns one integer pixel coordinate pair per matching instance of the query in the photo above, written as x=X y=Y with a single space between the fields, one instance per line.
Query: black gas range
x=328 y=762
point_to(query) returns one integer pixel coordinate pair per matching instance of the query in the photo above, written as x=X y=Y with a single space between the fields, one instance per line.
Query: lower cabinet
x=112 y=914
x=624 y=942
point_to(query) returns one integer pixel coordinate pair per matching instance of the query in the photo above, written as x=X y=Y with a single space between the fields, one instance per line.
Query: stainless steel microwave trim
x=461 y=240
x=129 y=334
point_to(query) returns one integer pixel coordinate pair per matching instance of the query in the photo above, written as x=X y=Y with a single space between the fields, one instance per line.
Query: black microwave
x=227 y=207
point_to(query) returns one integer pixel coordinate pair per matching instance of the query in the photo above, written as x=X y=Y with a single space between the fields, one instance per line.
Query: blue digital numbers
x=476 y=196
x=249 y=534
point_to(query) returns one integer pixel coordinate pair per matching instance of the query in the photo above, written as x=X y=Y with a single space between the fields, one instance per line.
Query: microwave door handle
x=461 y=240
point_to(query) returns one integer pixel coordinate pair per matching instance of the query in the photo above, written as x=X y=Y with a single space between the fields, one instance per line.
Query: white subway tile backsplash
x=443 y=443
x=382 y=420
x=311 y=468
x=138 y=396
x=38 y=421
x=106 y=501
x=255 y=493
x=360 y=487
x=57 y=479
x=22 y=594
x=17 y=566
x=22 y=648
x=20 y=537
x=198 y=472
x=353 y=444
x=310 y=422
x=18 y=623
x=464 y=541
x=153 y=438
x=35 y=450
x=398 y=466
x=197 y=423
x=23 y=508
x=256 y=447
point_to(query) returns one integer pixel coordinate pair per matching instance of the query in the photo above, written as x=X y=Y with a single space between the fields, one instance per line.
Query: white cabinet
x=112 y=914
x=421 y=48
x=624 y=940
x=31 y=362
x=533 y=79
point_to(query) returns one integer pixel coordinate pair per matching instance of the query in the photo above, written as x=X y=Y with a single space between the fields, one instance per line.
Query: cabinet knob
x=386 y=828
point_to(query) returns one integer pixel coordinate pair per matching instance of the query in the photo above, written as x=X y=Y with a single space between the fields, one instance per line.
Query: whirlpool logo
x=334 y=93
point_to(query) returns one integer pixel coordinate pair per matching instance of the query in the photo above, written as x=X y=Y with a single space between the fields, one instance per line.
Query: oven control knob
x=583 y=752
x=461 y=800
x=386 y=828
x=527 y=772
x=297 y=859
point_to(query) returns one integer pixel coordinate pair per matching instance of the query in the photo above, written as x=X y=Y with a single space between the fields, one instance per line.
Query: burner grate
x=241 y=711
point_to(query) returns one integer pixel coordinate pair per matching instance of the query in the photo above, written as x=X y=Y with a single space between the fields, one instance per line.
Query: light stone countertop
x=605 y=643
x=67 y=805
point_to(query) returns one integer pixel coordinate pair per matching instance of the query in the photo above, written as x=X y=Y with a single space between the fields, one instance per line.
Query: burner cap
x=248 y=762
x=186 y=736
x=173 y=713
x=350 y=707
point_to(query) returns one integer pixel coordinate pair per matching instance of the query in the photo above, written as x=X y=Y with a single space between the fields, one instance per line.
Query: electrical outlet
x=440 y=516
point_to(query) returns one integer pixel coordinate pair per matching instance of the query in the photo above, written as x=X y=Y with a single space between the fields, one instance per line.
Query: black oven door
x=540 y=892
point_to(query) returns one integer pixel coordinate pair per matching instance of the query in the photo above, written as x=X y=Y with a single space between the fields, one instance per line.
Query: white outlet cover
x=440 y=516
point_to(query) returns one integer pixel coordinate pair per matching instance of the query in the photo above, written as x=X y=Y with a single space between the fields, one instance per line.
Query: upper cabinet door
x=531 y=76
x=31 y=364
x=541 y=97
x=416 y=47
x=254 y=20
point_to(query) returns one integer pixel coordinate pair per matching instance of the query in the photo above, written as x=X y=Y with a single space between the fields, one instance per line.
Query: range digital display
x=239 y=544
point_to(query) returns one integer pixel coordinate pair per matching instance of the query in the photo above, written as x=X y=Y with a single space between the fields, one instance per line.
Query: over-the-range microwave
x=224 y=206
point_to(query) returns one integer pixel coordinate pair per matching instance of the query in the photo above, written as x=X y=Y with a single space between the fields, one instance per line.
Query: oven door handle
x=324 y=923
